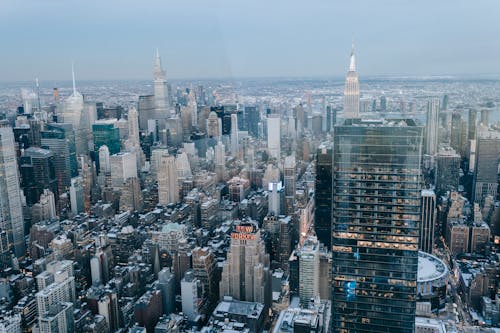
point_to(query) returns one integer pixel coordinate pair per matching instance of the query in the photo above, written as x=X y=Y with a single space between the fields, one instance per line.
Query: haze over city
x=228 y=39
x=249 y=167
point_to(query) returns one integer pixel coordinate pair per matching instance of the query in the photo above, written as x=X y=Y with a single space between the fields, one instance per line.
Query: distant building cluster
x=211 y=207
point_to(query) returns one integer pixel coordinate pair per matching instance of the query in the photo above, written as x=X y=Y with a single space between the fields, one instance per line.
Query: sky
x=117 y=39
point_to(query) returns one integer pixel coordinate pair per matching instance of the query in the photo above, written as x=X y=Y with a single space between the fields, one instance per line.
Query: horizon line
x=279 y=77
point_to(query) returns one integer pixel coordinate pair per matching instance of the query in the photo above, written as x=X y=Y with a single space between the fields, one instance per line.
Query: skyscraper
x=428 y=222
x=60 y=139
x=167 y=181
x=309 y=270
x=323 y=194
x=245 y=273
x=105 y=134
x=487 y=162
x=351 y=91
x=289 y=176
x=11 y=214
x=37 y=173
x=375 y=225
x=161 y=98
x=234 y=134
x=431 y=128
x=274 y=135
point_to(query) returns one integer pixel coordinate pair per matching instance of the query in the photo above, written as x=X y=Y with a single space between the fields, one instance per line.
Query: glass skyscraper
x=375 y=225
x=323 y=194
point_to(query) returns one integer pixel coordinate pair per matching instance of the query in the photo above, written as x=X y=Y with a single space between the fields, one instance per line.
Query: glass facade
x=323 y=194
x=375 y=225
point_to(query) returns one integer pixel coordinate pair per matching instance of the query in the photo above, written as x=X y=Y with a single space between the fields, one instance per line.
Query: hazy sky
x=110 y=39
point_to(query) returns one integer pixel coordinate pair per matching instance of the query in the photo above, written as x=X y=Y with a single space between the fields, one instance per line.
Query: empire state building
x=351 y=92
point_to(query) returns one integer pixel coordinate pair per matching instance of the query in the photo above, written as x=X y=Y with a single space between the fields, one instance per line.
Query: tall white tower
x=133 y=127
x=234 y=134
x=274 y=135
x=161 y=97
x=11 y=213
x=309 y=270
x=167 y=181
x=220 y=161
x=431 y=129
x=351 y=92
x=193 y=106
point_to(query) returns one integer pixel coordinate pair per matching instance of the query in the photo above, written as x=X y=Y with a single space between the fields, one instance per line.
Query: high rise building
x=60 y=139
x=11 y=214
x=487 y=161
x=105 y=134
x=289 y=176
x=431 y=128
x=253 y=118
x=234 y=134
x=214 y=125
x=161 y=96
x=45 y=208
x=245 y=273
x=428 y=222
x=58 y=319
x=375 y=225
x=80 y=115
x=447 y=170
x=274 y=135
x=37 y=173
x=323 y=194
x=193 y=106
x=309 y=270
x=220 y=161
x=168 y=191
x=166 y=284
x=191 y=293
x=123 y=166
x=77 y=196
x=351 y=91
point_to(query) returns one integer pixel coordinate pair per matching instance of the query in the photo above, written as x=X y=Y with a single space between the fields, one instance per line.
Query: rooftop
x=430 y=268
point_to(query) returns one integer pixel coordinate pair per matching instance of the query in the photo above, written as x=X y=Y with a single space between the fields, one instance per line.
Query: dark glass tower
x=375 y=225
x=105 y=133
x=323 y=194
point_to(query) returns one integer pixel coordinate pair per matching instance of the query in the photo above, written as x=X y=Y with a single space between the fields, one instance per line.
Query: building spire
x=352 y=65
x=73 y=75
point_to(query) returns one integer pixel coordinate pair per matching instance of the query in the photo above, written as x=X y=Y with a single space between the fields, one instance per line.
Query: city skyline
x=216 y=40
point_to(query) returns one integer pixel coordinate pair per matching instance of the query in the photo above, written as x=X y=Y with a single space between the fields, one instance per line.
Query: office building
x=45 y=208
x=351 y=90
x=309 y=270
x=60 y=139
x=375 y=224
x=274 y=135
x=77 y=195
x=166 y=284
x=105 y=134
x=11 y=214
x=447 y=170
x=431 y=128
x=289 y=176
x=37 y=173
x=168 y=191
x=323 y=194
x=485 y=181
x=123 y=167
x=192 y=296
x=428 y=222
x=58 y=319
x=161 y=96
x=234 y=135
x=245 y=273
